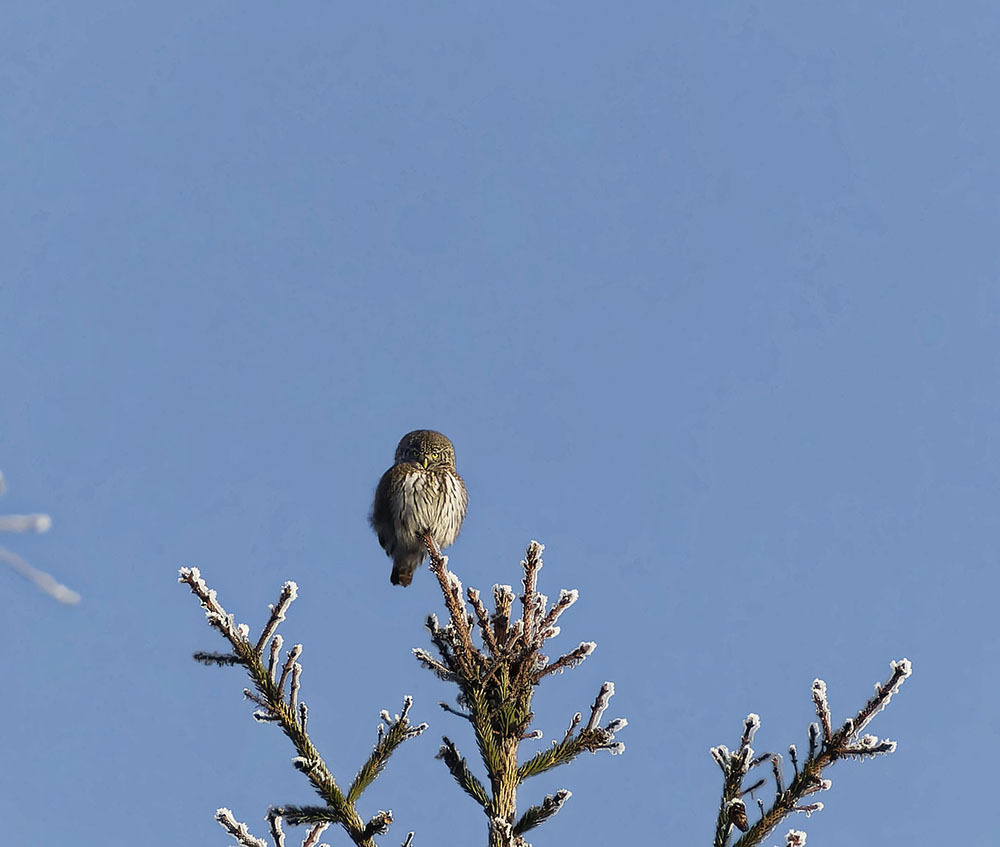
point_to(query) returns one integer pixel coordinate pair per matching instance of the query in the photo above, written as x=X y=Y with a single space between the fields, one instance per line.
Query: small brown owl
x=421 y=493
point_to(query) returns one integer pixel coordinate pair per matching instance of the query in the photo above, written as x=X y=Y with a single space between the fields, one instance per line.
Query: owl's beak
x=426 y=462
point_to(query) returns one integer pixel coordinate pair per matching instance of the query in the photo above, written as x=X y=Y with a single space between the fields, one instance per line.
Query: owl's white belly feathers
x=433 y=501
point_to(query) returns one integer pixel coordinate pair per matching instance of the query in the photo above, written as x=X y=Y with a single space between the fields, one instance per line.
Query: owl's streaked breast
x=430 y=500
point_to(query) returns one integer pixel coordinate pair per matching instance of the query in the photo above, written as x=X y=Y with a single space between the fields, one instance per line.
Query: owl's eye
x=434 y=456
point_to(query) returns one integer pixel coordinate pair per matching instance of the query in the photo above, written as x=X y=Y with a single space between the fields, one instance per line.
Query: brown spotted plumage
x=421 y=493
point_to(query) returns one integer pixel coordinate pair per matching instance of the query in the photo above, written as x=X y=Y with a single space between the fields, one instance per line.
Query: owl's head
x=427 y=448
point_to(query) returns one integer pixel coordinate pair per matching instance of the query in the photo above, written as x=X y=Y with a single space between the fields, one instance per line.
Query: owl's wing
x=381 y=517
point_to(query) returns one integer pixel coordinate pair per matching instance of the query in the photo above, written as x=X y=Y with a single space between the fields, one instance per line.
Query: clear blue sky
x=706 y=298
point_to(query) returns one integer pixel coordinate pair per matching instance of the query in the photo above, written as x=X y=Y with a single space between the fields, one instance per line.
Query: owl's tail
x=403 y=566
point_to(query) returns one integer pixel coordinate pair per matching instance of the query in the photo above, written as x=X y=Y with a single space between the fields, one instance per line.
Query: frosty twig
x=274 y=705
x=44 y=581
x=826 y=745
x=496 y=684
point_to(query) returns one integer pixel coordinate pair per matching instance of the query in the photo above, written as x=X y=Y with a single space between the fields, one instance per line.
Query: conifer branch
x=44 y=581
x=275 y=706
x=399 y=730
x=239 y=831
x=539 y=814
x=460 y=771
x=496 y=684
x=299 y=815
x=451 y=588
x=826 y=745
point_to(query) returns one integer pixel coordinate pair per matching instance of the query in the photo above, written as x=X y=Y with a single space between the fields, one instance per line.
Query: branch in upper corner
x=44 y=581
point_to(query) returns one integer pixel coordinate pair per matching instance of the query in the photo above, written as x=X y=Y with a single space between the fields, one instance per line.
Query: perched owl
x=421 y=493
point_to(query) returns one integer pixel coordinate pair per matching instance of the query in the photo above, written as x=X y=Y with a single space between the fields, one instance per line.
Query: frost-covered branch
x=496 y=681
x=44 y=581
x=241 y=832
x=826 y=745
x=276 y=697
x=542 y=812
